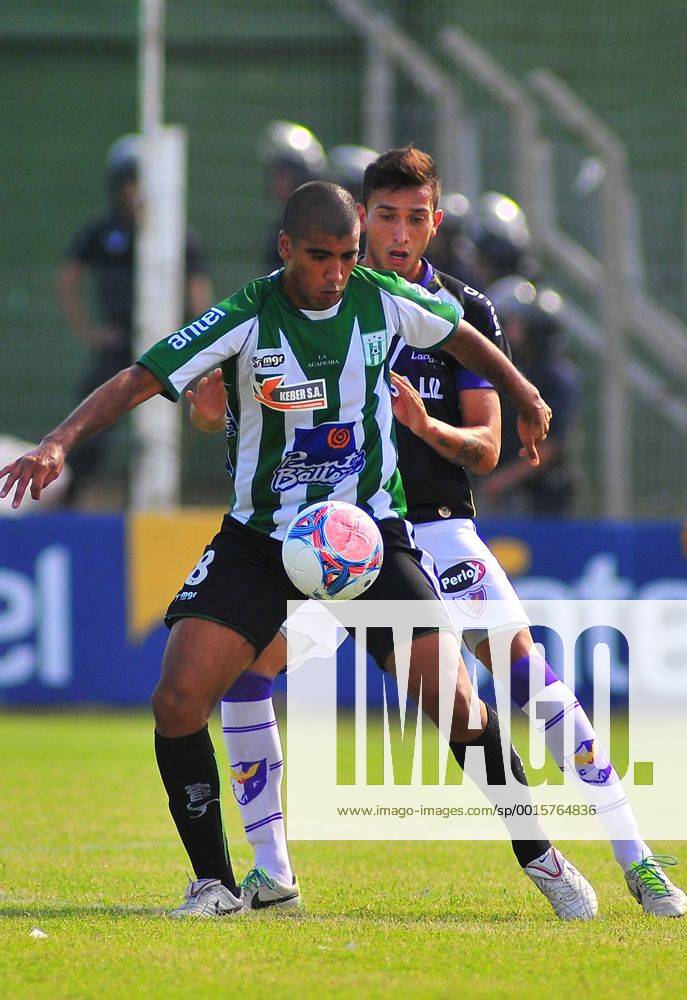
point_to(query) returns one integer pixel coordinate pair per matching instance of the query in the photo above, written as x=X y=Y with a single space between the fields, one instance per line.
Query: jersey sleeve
x=422 y=319
x=204 y=343
x=480 y=313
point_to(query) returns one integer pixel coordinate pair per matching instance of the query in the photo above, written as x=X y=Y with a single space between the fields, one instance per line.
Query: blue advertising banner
x=82 y=596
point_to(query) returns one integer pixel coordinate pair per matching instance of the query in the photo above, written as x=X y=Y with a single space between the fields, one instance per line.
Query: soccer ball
x=332 y=551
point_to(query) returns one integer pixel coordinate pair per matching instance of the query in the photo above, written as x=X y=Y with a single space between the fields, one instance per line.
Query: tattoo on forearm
x=469 y=454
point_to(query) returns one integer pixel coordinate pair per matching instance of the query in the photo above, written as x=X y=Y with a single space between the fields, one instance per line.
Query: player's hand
x=408 y=406
x=37 y=469
x=210 y=399
x=533 y=426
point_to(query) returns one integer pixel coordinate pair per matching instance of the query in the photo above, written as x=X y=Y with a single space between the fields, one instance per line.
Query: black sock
x=536 y=845
x=189 y=773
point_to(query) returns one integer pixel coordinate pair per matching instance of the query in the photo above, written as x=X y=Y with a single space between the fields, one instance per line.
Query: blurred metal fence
x=69 y=73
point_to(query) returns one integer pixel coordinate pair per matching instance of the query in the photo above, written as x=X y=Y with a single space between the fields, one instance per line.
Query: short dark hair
x=320 y=207
x=399 y=168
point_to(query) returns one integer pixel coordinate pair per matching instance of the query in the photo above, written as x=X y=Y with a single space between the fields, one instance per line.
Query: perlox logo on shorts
x=462 y=576
x=324 y=454
x=270 y=391
x=199 y=326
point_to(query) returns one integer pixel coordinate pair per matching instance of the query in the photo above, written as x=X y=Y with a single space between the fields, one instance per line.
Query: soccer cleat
x=207 y=897
x=570 y=894
x=652 y=888
x=260 y=890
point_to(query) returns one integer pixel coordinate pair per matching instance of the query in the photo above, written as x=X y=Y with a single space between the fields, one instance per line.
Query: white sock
x=590 y=763
x=256 y=766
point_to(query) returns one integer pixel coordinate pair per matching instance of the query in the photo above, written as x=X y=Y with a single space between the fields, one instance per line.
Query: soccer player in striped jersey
x=305 y=353
x=448 y=420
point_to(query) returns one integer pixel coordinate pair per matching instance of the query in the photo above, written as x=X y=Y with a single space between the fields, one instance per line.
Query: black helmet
x=123 y=158
x=286 y=144
x=501 y=234
x=538 y=311
x=348 y=165
x=456 y=209
x=451 y=250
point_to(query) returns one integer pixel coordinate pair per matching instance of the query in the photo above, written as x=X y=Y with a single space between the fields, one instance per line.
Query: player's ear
x=438 y=216
x=362 y=214
x=284 y=245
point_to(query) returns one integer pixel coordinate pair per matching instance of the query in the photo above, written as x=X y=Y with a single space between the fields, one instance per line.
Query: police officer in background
x=347 y=166
x=530 y=320
x=292 y=156
x=451 y=250
x=501 y=241
x=103 y=251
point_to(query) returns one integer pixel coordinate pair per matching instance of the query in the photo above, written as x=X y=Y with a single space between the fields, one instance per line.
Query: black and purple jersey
x=436 y=488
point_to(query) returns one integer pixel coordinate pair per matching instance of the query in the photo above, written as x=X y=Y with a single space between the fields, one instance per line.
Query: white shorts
x=468 y=571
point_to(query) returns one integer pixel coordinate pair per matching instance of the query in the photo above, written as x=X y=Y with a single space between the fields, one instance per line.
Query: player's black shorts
x=240 y=581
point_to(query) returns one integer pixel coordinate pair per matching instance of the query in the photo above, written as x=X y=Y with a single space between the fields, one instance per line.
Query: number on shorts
x=200 y=570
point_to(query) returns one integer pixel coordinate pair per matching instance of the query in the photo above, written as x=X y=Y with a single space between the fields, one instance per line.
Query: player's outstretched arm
x=479 y=355
x=43 y=464
x=209 y=403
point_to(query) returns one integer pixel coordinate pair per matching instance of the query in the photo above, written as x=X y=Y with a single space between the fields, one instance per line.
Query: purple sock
x=249 y=687
x=520 y=680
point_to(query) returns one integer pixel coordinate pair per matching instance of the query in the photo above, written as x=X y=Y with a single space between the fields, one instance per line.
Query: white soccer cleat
x=260 y=890
x=207 y=897
x=652 y=888
x=570 y=894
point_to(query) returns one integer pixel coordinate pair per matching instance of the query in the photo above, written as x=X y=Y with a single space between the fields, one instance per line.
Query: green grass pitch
x=89 y=856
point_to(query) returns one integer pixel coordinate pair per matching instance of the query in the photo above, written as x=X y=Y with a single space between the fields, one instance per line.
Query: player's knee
x=175 y=712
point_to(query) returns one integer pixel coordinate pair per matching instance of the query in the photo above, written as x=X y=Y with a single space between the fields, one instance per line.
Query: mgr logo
x=271 y=392
x=324 y=454
x=268 y=359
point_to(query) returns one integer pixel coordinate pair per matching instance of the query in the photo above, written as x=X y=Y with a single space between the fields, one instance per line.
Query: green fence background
x=68 y=76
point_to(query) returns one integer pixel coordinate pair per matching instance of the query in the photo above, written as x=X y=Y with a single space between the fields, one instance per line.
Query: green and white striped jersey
x=309 y=397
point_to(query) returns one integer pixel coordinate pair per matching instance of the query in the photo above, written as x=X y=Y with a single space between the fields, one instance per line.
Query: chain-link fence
x=70 y=86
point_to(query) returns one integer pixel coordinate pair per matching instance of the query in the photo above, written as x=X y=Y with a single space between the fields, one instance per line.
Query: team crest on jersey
x=271 y=391
x=248 y=778
x=325 y=454
x=374 y=347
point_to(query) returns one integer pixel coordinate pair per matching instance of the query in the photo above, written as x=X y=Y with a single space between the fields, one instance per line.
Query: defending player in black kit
x=433 y=406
